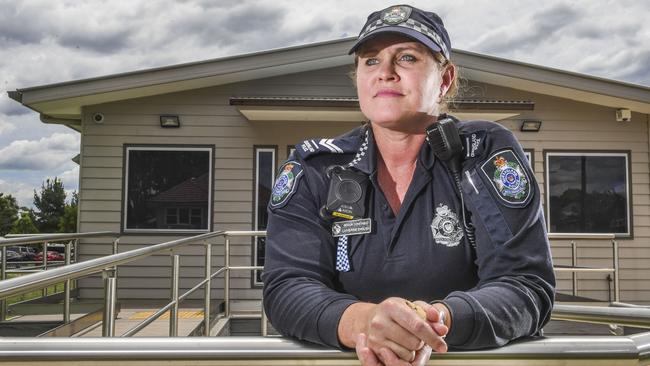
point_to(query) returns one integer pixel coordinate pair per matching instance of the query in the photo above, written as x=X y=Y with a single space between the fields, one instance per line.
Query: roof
x=63 y=101
x=194 y=189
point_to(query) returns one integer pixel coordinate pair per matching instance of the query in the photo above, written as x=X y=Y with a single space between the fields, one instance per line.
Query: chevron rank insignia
x=342 y=145
x=315 y=145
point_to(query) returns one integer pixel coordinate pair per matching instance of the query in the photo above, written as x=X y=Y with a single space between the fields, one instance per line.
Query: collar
x=365 y=159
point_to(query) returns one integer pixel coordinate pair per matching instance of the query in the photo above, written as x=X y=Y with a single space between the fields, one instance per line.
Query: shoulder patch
x=286 y=183
x=508 y=178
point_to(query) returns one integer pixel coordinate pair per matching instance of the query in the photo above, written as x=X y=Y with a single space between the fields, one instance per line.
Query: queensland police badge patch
x=395 y=14
x=286 y=183
x=508 y=177
x=445 y=227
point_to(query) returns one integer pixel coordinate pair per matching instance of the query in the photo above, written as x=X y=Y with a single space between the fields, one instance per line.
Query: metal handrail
x=638 y=317
x=172 y=306
x=575 y=269
x=633 y=350
x=560 y=236
x=44 y=239
x=108 y=265
x=77 y=270
x=15 y=239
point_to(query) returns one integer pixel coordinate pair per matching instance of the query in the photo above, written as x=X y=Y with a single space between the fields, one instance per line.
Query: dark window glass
x=164 y=185
x=183 y=216
x=588 y=194
x=264 y=182
x=172 y=216
x=197 y=216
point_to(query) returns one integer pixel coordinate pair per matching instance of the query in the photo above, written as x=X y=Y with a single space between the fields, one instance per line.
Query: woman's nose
x=387 y=71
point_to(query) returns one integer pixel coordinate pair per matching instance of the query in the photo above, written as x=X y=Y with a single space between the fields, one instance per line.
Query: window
x=167 y=189
x=263 y=184
x=290 y=150
x=530 y=155
x=588 y=192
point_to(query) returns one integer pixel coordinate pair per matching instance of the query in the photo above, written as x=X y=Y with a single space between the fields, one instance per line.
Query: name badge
x=352 y=227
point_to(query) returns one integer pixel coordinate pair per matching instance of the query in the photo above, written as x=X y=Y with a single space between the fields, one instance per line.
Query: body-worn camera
x=346 y=197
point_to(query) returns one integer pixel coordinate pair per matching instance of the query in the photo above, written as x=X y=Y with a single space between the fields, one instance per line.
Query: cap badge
x=395 y=14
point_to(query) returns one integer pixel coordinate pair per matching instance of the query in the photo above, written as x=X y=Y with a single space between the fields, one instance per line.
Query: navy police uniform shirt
x=497 y=291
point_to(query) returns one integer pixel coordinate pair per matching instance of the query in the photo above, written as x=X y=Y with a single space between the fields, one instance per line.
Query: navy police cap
x=423 y=26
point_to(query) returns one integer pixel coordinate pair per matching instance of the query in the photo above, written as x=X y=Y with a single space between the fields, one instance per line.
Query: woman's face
x=399 y=83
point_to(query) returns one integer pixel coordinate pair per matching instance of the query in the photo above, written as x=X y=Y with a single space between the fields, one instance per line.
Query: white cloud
x=70 y=179
x=45 y=153
x=6 y=127
x=24 y=193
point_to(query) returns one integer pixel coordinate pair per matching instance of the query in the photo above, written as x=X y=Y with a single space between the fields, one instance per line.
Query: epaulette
x=345 y=144
x=473 y=135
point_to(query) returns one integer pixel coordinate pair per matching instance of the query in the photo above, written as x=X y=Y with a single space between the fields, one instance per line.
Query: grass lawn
x=33 y=294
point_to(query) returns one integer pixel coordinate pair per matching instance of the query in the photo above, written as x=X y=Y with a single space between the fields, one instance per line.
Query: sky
x=44 y=42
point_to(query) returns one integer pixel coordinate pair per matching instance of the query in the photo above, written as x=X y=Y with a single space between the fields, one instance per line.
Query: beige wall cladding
x=208 y=119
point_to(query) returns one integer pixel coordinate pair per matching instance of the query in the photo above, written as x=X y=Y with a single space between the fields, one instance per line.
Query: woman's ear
x=448 y=76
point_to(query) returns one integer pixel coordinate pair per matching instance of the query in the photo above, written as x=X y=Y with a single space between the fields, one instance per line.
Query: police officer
x=415 y=231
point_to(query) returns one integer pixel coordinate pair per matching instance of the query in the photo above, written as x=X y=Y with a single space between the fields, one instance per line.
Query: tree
x=8 y=213
x=50 y=205
x=24 y=225
x=68 y=222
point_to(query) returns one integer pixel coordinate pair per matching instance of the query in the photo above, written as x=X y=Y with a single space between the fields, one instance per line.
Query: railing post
x=265 y=330
x=115 y=244
x=110 y=297
x=66 y=286
x=574 y=264
x=115 y=251
x=3 y=276
x=617 y=288
x=45 y=265
x=226 y=278
x=206 y=302
x=173 y=316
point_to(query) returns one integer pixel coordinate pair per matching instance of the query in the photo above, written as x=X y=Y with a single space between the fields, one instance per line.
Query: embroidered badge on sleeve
x=508 y=177
x=286 y=183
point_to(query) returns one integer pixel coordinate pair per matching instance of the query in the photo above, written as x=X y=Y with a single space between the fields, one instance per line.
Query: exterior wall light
x=531 y=126
x=170 y=122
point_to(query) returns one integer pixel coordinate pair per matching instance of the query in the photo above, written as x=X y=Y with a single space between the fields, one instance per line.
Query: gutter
x=16 y=95
x=74 y=124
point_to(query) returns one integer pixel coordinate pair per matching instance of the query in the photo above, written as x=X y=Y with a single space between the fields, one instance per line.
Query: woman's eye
x=407 y=58
x=371 y=61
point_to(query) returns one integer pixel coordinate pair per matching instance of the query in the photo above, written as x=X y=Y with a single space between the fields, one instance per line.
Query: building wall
x=207 y=118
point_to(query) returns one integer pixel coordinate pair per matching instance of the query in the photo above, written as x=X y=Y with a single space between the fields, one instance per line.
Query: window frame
x=627 y=154
x=531 y=152
x=256 y=150
x=290 y=149
x=165 y=147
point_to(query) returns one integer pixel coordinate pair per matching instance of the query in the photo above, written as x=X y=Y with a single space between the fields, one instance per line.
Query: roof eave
x=16 y=95
x=66 y=99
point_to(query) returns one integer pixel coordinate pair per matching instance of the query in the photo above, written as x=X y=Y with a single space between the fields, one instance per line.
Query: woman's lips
x=390 y=93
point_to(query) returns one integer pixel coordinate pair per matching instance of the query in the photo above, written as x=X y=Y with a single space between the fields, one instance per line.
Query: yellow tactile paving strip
x=141 y=315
